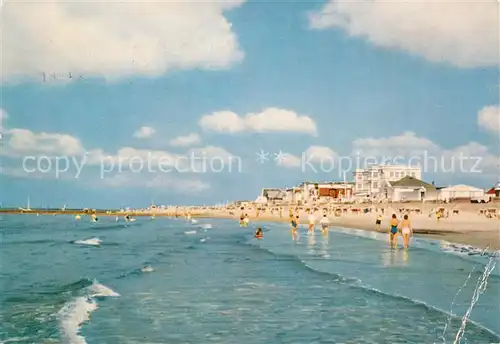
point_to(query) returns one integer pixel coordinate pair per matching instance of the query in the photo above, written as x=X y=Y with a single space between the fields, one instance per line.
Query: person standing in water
x=325 y=222
x=294 y=222
x=378 y=221
x=312 y=222
x=394 y=231
x=406 y=230
x=259 y=234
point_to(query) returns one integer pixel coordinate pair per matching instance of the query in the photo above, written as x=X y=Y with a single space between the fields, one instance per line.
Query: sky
x=123 y=104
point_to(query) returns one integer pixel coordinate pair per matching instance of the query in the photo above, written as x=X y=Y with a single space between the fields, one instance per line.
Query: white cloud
x=21 y=142
x=464 y=33
x=411 y=149
x=289 y=161
x=269 y=120
x=115 y=39
x=313 y=154
x=187 y=140
x=319 y=153
x=404 y=144
x=489 y=118
x=144 y=132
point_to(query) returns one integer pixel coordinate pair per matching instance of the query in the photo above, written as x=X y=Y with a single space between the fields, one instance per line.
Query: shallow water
x=173 y=281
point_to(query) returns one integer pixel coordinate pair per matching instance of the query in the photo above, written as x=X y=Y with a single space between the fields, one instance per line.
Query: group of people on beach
x=312 y=221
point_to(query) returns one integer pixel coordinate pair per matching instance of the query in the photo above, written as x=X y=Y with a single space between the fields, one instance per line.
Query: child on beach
x=242 y=217
x=246 y=220
x=407 y=231
x=394 y=230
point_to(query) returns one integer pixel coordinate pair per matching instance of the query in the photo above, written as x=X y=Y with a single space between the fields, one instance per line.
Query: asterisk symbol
x=262 y=156
x=279 y=157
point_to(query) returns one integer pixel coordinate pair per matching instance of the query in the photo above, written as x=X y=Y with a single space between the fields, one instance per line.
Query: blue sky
x=310 y=79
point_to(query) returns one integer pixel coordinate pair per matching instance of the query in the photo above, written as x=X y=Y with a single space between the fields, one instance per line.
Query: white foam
x=91 y=241
x=100 y=290
x=190 y=232
x=15 y=339
x=204 y=239
x=76 y=312
x=206 y=226
x=147 y=269
x=194 y=221
x=73 y=315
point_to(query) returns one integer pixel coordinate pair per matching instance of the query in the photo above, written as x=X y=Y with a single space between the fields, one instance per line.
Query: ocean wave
x=90 y=241
x=205 y=226
x=467 y=250
x=28 y=242
x=15 y=340
x=355 y=282
x=423 y=304
x=190 y=232
x=147 y=269
x=77 y=311
x=73 y=315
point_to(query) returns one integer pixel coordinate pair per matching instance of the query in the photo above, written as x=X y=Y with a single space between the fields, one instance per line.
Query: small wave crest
x=147 y=269
x=77 y=311
x=90 y=241
x=206 y=226
x=466 y=250
x=190 y=232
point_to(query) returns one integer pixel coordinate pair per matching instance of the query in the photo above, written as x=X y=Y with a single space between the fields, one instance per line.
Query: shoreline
x=468 y=228
x=489 y=239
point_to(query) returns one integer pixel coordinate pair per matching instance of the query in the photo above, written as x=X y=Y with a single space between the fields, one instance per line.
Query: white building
x=409 y=189
x=460 y=192
x=375 y=180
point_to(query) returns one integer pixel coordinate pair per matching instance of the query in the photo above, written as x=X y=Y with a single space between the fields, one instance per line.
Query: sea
x=169 y=280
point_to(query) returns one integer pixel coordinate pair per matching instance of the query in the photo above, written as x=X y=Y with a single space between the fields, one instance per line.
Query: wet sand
x=468 y=227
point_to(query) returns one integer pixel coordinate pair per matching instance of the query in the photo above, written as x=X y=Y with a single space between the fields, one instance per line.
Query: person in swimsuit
x=312 y=222
x=407 y=231
x=259 y=234
x=394 y=230
x=294 y=223
x=242 y=217
x=378 y=222
x=325 y=222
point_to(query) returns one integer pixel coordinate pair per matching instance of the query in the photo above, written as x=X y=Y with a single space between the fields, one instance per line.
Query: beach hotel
x=373 y=182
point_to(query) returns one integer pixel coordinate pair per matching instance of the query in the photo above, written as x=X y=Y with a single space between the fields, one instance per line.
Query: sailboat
x=28 y=206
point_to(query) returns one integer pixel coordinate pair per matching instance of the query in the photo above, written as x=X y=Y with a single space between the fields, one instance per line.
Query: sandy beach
x=464 y=223
x=467 y=226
